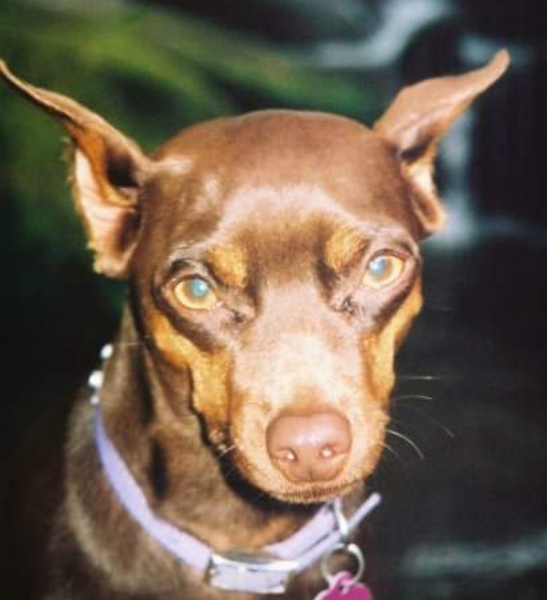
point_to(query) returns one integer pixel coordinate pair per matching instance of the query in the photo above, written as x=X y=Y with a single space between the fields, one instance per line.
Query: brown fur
x=281 y=212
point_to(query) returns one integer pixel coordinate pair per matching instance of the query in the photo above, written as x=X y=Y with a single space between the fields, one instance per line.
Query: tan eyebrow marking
x=343 y=247
x=229 y=263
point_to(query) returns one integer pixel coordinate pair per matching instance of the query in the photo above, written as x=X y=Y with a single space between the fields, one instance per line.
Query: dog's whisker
x=406 y=439
x=420 y=377
x=389 y=449
x=402 y=397
x=225 y=451
x=433 y=419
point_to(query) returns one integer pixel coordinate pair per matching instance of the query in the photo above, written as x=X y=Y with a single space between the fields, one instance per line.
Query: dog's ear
x=419 y=117
x=108 y=171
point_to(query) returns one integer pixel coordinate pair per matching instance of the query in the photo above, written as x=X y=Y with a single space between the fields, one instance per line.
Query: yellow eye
x=382 y=270
x=195 y=293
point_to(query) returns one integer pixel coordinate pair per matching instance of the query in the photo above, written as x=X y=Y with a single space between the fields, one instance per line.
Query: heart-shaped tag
x=343 y=587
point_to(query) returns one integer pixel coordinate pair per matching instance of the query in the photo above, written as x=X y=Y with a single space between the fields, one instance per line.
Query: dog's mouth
x=317 y=493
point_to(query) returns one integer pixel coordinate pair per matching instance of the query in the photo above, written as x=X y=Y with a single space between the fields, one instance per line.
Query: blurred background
x=465 y=496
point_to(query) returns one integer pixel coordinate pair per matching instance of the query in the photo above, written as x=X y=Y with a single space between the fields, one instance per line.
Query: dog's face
x=282 y=269
x=275 y=268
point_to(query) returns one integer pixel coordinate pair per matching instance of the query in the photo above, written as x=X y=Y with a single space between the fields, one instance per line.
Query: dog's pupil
x=199 y=287
x=379 y=266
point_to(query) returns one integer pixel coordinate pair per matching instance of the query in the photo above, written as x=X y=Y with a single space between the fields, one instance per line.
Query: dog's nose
x=309 y=447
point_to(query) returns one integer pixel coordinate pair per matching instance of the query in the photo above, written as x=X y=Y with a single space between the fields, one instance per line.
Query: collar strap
x=267 y=572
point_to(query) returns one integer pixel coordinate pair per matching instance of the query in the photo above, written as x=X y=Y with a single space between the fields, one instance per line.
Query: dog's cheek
x=208 y=371
x=379 y=349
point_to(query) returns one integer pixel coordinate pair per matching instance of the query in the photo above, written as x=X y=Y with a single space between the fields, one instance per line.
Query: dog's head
x=275 y=267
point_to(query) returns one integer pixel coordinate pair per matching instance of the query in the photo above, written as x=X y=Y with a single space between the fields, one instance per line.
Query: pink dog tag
x=343 y=587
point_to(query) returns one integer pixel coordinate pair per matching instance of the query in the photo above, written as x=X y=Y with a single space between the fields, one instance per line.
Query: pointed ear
x=418 y=118
x=108 y=171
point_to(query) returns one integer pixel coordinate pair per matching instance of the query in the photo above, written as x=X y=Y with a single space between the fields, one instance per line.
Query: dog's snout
x=309 y=447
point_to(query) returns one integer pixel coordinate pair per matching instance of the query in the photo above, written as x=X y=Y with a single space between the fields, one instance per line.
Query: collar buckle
x=256 y=573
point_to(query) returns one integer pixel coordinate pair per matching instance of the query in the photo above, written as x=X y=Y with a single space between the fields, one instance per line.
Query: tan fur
x=230 y=263
x=342 y=248
x=209 y=371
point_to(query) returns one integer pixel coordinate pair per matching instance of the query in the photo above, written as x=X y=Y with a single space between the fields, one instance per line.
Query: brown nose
x=311 y=447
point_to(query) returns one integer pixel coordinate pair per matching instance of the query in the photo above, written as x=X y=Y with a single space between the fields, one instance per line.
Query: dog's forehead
x=266 y=147
x=282 y=150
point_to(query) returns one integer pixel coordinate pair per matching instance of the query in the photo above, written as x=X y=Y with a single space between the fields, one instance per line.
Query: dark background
x=464 y=514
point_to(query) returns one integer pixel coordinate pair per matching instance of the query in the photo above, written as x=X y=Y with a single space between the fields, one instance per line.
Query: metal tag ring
x=355 y=552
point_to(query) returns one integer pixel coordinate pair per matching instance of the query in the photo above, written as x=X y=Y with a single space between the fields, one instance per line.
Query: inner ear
x=107 y=177
x=111 y=220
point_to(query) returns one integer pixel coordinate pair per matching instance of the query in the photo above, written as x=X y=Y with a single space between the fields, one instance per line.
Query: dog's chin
x=313 y=493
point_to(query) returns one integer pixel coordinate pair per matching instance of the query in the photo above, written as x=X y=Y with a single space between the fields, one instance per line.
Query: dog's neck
x=163 y=443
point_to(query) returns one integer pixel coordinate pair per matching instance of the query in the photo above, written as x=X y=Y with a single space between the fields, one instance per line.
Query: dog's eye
x=382 y=270
x=195 y=293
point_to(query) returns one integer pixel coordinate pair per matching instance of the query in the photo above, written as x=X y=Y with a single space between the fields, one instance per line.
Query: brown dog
x=274 y=269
